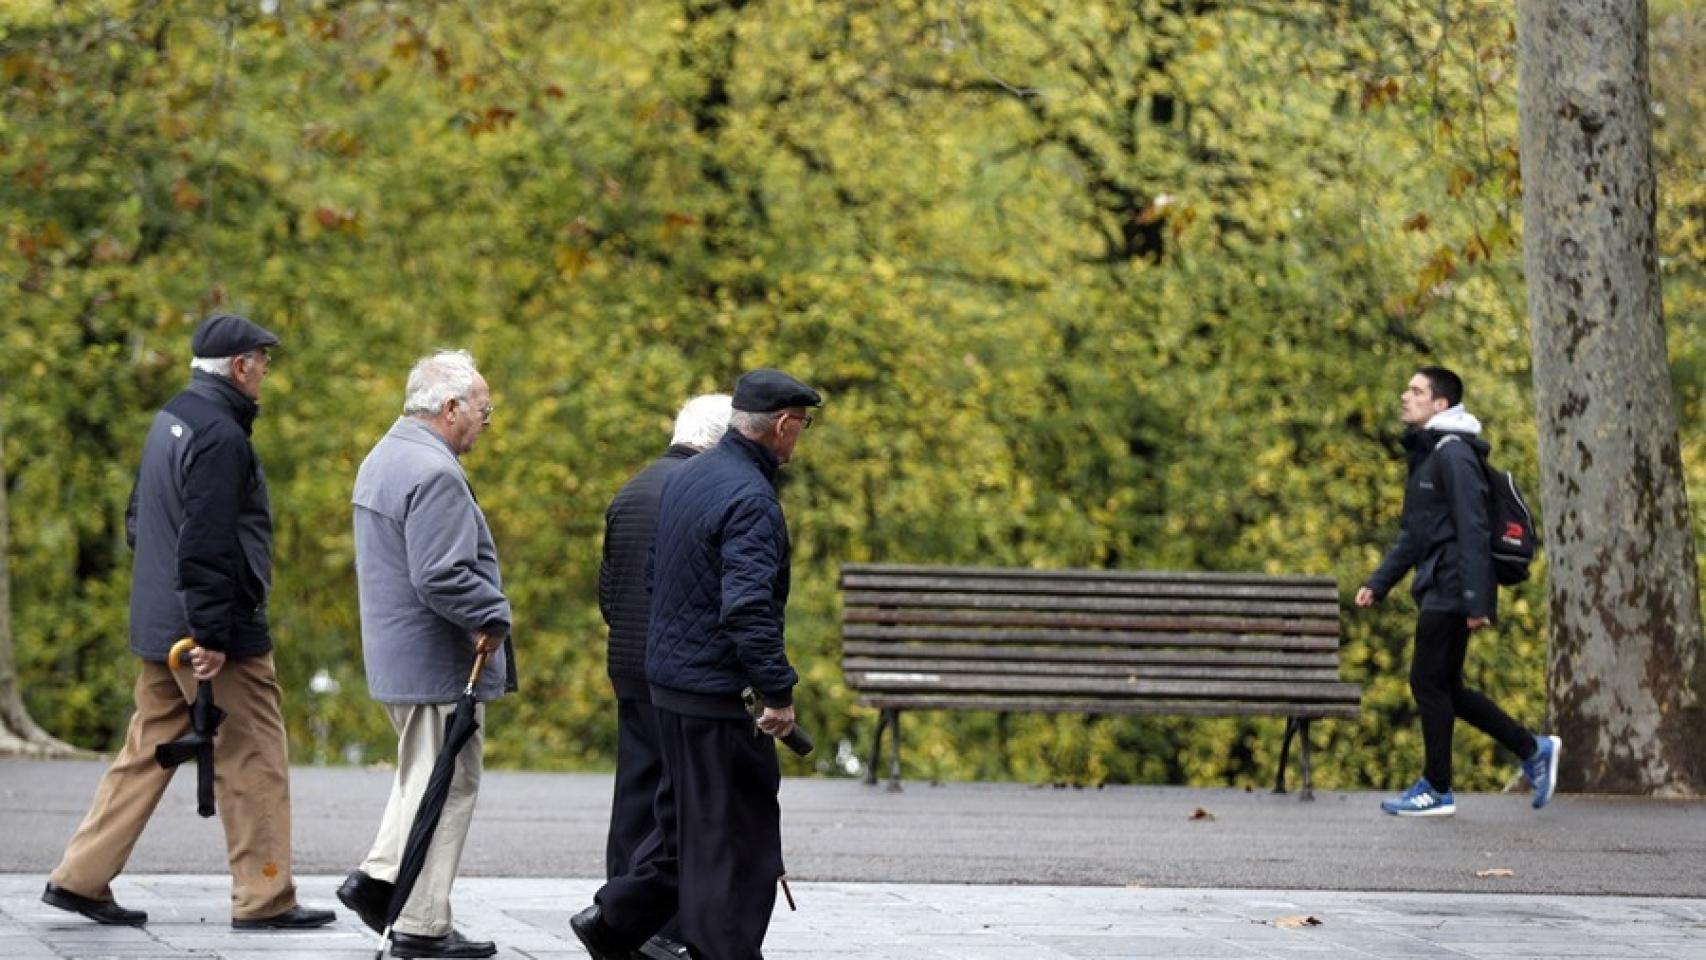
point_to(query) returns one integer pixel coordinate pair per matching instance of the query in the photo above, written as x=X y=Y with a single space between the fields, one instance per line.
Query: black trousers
x=639 y=767
x=1436 y=680
x=716 y=854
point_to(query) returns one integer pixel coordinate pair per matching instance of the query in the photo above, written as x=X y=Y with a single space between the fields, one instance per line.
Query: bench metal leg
x=894 y=761
x=1285 y=754
x=877 y=747
x=1308 y=782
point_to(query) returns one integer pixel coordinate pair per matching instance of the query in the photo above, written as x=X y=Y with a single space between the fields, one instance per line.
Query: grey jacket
x=427 y=573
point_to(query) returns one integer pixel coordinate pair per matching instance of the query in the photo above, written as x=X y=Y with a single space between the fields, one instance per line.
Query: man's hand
x=206 y=663
x=777 y=721
x=485 y=642
x=1365 y=597
x=1476 y=623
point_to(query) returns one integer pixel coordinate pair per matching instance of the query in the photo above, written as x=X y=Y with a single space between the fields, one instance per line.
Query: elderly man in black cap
x=201 y=527
x=719 y=592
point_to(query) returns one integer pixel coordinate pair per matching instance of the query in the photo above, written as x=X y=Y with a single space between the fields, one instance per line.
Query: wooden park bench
x=1092 y=642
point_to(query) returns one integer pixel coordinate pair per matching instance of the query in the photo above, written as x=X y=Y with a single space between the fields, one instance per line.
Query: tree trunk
x=19 y=734
x=1626 y=673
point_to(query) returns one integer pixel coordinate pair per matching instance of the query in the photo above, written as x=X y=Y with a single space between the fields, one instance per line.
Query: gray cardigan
x=427 y=573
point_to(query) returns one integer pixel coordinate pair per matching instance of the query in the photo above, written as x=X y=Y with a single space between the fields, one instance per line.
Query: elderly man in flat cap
x=719 y=591
x=201 y=528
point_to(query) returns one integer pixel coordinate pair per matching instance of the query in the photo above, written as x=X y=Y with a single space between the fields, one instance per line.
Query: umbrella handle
x=482 y=650
x=178 y=650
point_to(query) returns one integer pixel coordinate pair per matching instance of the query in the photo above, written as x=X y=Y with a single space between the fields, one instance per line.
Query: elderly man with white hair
x=625 y=597
x=427 y=574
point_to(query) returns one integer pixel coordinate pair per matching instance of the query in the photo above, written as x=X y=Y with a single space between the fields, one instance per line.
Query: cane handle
x=178 y=650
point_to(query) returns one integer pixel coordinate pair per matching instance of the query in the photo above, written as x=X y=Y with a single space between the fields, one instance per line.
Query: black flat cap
x=227 y=335
x=766 y=390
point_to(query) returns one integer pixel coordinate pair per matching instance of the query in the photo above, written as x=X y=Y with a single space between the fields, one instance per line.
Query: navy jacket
x=720 y=584
x=201 y=525
x=1442 y=533
x=624 y=596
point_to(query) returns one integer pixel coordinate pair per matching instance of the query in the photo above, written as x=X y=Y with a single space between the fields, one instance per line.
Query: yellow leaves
x=185 y=196
x=334 y=219
x=674 y=224
x=488 y=120
x=571 y=261
x=1458 y=182
x=1378 y=93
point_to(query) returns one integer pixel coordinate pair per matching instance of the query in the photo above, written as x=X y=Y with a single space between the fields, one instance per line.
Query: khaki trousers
x=420 y=737
x=251 y=786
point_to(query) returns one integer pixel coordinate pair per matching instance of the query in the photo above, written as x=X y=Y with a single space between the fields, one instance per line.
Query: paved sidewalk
x=880 y=921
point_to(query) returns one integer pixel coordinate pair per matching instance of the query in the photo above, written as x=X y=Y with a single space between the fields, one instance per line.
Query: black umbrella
x=458 y=729
x=196 y=745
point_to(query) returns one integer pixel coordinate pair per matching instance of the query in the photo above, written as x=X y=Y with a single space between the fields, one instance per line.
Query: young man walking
x=1443 y=535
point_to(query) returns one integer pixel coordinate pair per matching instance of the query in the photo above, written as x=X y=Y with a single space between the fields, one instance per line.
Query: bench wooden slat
x=856 y=667
x=1194 y=708
x=1323 y=592
x=1108 y=638
x=878 y=681
x=1178 y=624
x=1128 y=576
x=1038 y=602
x=1326 y=658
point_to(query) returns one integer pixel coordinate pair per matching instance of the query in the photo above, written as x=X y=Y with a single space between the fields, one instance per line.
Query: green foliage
x=1086 y=284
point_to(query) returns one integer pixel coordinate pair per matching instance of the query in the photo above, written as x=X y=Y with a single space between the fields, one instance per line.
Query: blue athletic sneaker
x=1421 y=800
x=1542 y=769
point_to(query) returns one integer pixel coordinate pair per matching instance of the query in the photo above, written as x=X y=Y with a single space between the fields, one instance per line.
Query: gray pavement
x=992 y=871
x=553 y=825
x=528 y=917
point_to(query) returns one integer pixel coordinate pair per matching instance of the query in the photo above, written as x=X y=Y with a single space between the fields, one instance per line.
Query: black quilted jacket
x=624 y=597
x=720 y=579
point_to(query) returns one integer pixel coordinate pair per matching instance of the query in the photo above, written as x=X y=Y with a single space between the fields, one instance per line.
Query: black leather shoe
x=100 y=911
x=663 y=948
x=296 y=918
x=369 y=898
x=408 y=946
x=596 y=936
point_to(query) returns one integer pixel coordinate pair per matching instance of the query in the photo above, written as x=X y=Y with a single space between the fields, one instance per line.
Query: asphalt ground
x=835 y=830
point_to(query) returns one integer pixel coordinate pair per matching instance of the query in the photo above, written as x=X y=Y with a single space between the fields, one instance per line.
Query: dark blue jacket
x=201 y=525
x=720 y=573
x=1442 y=533
x=624 y=596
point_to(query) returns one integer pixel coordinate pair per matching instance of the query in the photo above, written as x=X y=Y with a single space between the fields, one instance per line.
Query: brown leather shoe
x=100 y=911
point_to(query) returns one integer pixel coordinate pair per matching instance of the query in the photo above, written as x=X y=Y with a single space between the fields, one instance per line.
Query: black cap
x=228 y=335
x=766 y=390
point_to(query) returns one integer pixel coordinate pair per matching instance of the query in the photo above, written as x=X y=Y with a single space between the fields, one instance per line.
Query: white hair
x=703 y=420
x=754 y=424
x=218 y=366
x=446 y=375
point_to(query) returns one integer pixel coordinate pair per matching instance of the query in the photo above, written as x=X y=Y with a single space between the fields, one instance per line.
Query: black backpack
x=1510 y=525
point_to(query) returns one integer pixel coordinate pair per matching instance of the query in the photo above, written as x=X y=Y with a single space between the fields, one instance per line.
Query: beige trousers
x=420 y=737
x=251 y=786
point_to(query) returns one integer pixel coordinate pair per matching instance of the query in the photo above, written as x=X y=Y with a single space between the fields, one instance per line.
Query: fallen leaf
x=1297 y=923
x=1201 y=814
x=1496 y=872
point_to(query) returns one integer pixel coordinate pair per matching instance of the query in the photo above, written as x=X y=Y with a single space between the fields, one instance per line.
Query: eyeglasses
x=804 y=418
x=485 y=411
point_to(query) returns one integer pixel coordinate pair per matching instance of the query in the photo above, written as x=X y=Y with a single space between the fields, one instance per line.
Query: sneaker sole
x=1432 y=812
x=1541 y=800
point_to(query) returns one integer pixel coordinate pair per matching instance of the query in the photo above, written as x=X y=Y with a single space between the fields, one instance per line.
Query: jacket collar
x=752 y=450
x=223 y=392
x=410 y=430
x=680 y=451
